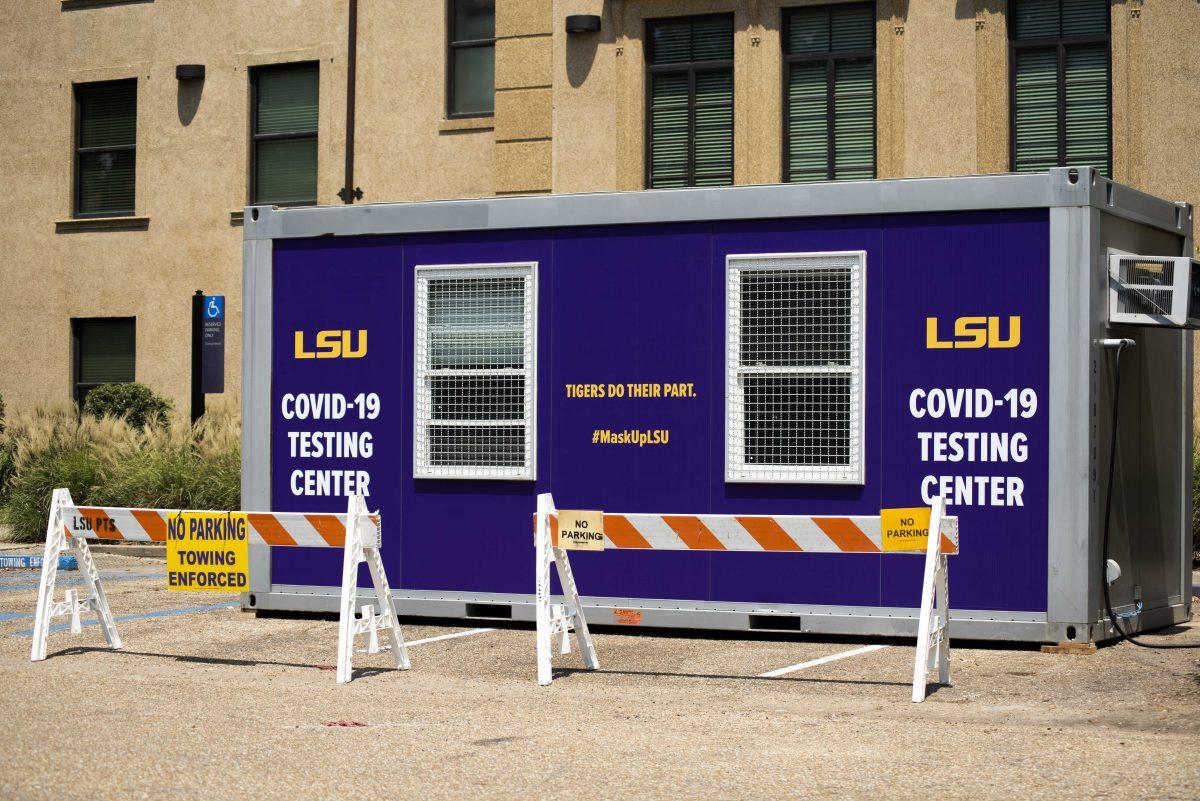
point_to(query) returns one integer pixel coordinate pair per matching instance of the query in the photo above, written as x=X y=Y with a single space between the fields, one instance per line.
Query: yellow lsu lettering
x=974 y=332
x=333 y=345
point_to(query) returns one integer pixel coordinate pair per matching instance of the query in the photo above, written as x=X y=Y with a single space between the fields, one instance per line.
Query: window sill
x=74 y=5
x=101 y=224
x=456 y=124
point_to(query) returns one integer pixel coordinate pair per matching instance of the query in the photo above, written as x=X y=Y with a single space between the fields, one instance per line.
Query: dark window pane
x=106 y=182
x=1084 y=17
x=797 y=318
x=714 y=129
x=491 y=397
x=286 y=170
x=1050 y=19
x=105 y=351
x=693 y=39
x=1087 y=117
x=107 y=114
x=854 y=120
x=474 y=88
x=808 y=122
x=671 y=42
x=852 y=28
x=800 y=419
x=1035 y=109
x=808 y=31
x=474 y=19
x=712 y=39
x=669 y=115
x=473 y=446
x=1036 y=19
x=287 y=100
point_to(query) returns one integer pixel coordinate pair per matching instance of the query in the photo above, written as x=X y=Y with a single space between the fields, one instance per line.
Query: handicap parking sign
x=214 y=307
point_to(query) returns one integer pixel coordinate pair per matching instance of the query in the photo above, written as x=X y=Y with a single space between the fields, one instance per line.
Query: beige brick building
x=125 y=179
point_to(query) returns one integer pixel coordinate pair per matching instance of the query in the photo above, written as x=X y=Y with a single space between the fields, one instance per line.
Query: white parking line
x=866 y=649
x=449 y=636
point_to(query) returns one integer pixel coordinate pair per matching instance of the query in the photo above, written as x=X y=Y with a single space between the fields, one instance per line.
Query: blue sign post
x=208 y=348
x=213 y=348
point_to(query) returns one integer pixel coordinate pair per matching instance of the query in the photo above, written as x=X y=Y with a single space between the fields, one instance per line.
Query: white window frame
x=736 y=468
x=422 y=401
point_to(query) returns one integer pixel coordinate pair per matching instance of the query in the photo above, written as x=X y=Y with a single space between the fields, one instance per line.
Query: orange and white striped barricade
x=357 y=533
x=781 y=534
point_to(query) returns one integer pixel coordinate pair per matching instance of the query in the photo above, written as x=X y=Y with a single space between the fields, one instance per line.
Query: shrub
x=134 y=402
x=108 y=461
x=49 y=448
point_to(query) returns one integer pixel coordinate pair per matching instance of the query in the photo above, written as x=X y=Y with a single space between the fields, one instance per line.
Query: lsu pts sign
x=207 y=551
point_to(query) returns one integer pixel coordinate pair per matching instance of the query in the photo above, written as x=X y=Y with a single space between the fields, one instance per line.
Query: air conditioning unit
x=1154 y=290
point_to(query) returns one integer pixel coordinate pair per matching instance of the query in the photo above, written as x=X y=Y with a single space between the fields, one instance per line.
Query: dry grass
x=106 y=461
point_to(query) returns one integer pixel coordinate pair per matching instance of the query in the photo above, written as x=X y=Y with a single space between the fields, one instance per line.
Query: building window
x=470 y=58
x=283 y=150
x=829 y=85
x=103 y=353
x=105 y=148
x=795 y=348
x=1061 y=109
x=689 y=137
x=475 y=371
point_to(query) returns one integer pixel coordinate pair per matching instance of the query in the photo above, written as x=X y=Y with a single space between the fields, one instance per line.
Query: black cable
x=1112 y=467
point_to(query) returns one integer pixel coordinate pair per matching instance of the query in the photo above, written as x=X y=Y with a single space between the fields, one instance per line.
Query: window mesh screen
x=474 y=404
x=795 y=353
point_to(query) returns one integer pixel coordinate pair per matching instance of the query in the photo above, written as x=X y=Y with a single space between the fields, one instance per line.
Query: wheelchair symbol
x=215 y=307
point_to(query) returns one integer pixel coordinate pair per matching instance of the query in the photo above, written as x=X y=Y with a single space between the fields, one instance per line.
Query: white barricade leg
x=58 y=543
x=545 y=503
x=933 y=625
x=943 y=613
x=574 y=611
x=96 y=600
x=388 y=617
x=351 y=556
x=362 y=545
x=560 y=619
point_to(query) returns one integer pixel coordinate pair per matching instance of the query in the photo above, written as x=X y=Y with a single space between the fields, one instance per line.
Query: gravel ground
x=220 y=703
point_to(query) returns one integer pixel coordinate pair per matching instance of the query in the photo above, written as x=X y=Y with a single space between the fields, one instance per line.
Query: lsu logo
x=975 y=332
x=333 y=345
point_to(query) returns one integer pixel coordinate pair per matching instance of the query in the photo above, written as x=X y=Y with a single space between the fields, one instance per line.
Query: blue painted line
x=14 y=615
x=187 y=610
x=70 y=581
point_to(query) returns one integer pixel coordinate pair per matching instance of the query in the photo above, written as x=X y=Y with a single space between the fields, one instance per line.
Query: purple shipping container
x=829 y=349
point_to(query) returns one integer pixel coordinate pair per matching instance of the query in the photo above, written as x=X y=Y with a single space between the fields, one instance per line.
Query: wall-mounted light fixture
x=583 y=23
x=189 y=72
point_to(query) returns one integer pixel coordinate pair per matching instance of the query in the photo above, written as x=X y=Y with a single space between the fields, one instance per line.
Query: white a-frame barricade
x=790 y=534
x=357 y=532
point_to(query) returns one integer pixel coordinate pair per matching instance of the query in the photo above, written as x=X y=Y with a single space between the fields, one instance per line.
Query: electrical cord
x=1112 y=467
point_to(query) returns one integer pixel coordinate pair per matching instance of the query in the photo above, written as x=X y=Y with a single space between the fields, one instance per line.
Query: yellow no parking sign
x=208 y=552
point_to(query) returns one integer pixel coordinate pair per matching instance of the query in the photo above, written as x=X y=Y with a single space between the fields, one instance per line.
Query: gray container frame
x=1089 y=216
